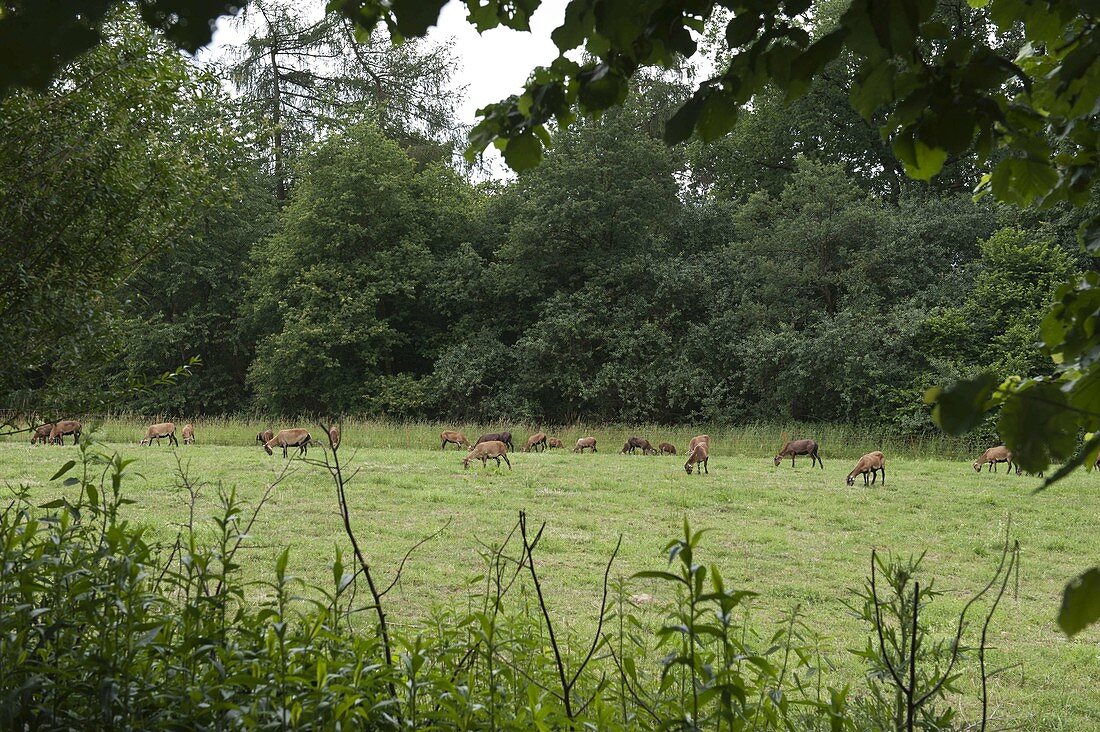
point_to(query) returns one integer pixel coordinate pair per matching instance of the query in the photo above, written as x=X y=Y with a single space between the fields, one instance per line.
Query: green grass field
x=797 y=536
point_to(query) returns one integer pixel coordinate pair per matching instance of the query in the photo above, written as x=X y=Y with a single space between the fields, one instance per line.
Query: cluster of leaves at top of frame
x=38 y=37
x=942 y=89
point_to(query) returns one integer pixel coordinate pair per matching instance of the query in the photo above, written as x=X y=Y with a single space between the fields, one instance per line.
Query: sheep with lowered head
x=871 y=463
x=484 y=451
x=296 y=437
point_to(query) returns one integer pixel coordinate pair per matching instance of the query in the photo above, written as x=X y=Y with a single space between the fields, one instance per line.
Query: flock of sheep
x=495 y=446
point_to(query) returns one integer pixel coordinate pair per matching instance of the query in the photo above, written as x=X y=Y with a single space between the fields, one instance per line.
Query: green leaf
x=414 y=17
x=717 y=117
x=1080 y=603
x=921 y=161
x=1037 y=425
x=523 y=152
x=280 y=564
x=742 y=29
x=680 y=126
x=56 y=503
x=961 y=407
x=657 y=574
x=875 y=89
x=576 y=26
x=813 y=59
x=64 y=469
x=601 y=88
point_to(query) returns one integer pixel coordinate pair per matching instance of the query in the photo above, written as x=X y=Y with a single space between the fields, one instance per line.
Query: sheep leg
x=706 y=463
x=172 y=439
x=820 y=462
x=507 y=461
x=443 y=446
x=883 y=469
x=792 y=460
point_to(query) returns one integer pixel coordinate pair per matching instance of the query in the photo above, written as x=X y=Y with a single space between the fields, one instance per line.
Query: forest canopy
x=789 y=270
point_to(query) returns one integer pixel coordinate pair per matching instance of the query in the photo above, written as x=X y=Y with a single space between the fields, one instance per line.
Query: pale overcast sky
x=498 y=62
x=492 y=65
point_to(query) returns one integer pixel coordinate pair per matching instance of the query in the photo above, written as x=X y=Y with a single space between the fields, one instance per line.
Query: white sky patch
x=496 y=64
x=491 y=66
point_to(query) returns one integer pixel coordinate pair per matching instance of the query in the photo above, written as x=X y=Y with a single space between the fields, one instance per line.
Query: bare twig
x=878 y=627
x=603 y=613
x=985 y=630
x=546 y=614
x=566 y=684
x=622 y=673
x=286 y=472
x=413 y=548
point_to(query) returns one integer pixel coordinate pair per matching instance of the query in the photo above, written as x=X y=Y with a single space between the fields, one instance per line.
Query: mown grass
x=797 y=536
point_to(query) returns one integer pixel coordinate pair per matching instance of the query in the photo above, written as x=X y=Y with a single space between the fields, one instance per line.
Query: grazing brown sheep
x=705 y=439
x=494 y=449
x=505 y=437
x=800 y=447
x=667 y=449
x=264 y=437
x=582 y=443
x=535 y=441
x=159 y=430
x=65 y=427
x=189 y=434
x=42 y=433
x=698 y=455
x=334 y=436
x=555 y=442
x=456 y=438
x=994 y=455
x=871 y=463
x=296 y=437
x=635 y=443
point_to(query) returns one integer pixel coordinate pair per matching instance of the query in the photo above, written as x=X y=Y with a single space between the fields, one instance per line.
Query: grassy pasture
x=797 y=536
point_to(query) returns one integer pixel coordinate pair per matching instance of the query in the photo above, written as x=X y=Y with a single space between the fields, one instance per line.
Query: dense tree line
x=788 y=270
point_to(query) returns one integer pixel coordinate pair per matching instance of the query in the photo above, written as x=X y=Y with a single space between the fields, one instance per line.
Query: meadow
x=799 y=537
